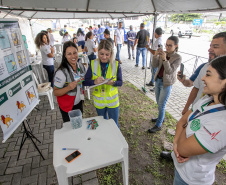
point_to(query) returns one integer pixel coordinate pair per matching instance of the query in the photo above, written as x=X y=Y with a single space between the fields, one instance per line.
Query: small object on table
x=92 y=124
x=70 y=149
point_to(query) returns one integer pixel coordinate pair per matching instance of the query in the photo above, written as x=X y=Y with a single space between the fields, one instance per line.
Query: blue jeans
x=144 y=51
x=178 y=180
x=112 y=113
x=153 y=71
x=118 y=51
x=162 y=94
x=50 y=71
x=130 y=46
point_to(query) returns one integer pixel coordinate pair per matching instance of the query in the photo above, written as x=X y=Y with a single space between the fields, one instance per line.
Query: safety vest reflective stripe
x=113 y=104
x=99 y=98
x=113 y=69
x=95 y=65
x=99 y=104
x=112 y=98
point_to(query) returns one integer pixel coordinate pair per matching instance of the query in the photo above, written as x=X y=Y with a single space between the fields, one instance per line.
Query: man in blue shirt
x=131 y=36
x=100 y=33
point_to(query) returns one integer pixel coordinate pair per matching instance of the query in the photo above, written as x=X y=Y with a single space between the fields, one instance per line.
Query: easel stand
x=28 y=134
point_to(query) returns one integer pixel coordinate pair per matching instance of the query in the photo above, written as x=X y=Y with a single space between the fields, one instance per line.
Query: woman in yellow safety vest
x=105 y=96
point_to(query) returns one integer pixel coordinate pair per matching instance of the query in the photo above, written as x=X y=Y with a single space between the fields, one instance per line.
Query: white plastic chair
x=58 y=60
x=44 y=89
x=59 y=48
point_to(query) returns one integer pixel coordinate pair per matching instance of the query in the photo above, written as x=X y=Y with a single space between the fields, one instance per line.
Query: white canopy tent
x=91 y=9
x=98 y=9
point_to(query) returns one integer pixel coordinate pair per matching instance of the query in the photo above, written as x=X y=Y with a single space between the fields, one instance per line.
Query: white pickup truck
x=181 y=30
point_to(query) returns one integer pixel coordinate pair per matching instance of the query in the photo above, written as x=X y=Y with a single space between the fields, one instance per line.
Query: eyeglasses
x=169 y=46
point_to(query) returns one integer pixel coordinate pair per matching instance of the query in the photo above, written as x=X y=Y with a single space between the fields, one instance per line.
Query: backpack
x=61 y=32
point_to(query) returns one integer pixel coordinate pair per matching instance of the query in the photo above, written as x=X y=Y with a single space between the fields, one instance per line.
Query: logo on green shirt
x=195 y=125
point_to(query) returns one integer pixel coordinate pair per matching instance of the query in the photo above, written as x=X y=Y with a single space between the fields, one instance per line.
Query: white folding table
x=99 y=148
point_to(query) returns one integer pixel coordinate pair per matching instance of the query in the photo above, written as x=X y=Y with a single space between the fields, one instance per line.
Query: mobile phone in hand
x=72 y=156
x=181 y=70
x=160 y=46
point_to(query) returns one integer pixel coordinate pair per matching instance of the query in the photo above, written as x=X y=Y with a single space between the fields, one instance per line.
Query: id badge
x=102 y=92
x=76 y=77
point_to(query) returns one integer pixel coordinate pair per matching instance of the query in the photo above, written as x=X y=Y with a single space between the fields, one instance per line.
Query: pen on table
x=70 y=149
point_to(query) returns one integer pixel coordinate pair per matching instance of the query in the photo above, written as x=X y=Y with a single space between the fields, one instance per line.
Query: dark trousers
x=92 y=57
x=81 y=43
x=50 y=71
x=65 y=114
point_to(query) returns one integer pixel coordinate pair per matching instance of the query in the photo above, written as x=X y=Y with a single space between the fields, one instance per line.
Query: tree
x=186 y=17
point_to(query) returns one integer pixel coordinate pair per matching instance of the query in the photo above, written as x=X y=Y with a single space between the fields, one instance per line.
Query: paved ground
x=31 y=169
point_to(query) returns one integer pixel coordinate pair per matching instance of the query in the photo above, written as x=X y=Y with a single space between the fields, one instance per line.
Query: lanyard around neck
x=193 y=116
x=104 y=75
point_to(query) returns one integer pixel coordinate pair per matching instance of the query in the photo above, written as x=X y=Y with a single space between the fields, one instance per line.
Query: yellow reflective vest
x=105 y=95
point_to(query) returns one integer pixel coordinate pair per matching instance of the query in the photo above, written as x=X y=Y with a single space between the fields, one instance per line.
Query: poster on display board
x=18 y=92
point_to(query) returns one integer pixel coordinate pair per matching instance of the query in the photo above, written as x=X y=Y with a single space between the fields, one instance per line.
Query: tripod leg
x=29 y=126
x=31 y=135
x=21 y=144
x=35 y=146
x=37 y=109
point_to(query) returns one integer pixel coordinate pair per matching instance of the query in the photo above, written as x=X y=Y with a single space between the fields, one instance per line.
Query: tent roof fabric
x=87 y=9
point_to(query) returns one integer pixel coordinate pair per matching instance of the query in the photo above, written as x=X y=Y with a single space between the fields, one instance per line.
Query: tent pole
x=154 y=27
x=32 y=34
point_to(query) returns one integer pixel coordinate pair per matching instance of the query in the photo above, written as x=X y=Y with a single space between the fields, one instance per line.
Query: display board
x=18 y=92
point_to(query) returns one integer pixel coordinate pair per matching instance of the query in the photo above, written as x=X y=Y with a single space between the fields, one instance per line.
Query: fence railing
x=191 y=61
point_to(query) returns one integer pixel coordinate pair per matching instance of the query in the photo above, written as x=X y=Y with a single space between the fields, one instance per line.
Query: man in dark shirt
x=107 y=36
x=142 y=40
x=131 y=36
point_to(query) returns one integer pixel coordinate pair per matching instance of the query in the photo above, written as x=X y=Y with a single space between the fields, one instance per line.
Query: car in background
x=181 y=30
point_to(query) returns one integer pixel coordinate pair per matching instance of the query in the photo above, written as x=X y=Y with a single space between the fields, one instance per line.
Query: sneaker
x=133 y=58
x=152 y=90
x=129 y=58
x=136 y=65
x=149 y=68
x=166 y=155
x=154 y=129
x=120 y=62
x=143 y=67
x=155 y=119
x=150 y=84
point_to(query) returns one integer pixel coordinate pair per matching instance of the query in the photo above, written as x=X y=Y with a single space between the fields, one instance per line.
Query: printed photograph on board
x=10 y=63
x=4 y=40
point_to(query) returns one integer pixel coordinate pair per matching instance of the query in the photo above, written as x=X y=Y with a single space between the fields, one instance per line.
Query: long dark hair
x=88 y=35
x=64 y=62
x=65 y=34
x=219 y=64
x=175 y=39
x=38 y=39
x=80 y=32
